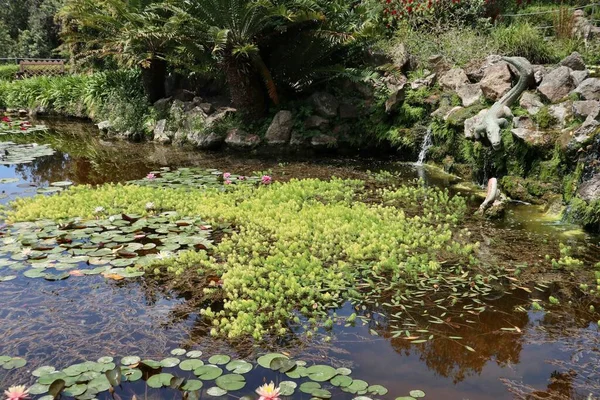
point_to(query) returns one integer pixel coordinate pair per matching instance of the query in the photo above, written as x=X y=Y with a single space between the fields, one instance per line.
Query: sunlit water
x=59 y=323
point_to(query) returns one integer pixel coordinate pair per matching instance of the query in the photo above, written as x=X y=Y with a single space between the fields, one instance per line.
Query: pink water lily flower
x=266 y=180
x=228 y=182
x=16 y=393
x=226 y=175
x=150 y=176
x=268 y=392
x=242 y=178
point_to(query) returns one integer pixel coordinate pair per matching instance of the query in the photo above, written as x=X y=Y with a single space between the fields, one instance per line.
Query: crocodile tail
x=525 y=71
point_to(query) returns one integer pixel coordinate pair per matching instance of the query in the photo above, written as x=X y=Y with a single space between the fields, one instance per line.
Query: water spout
x=427 y=143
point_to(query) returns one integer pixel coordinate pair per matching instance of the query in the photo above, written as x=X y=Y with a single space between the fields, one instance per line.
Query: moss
x=571 y=181
x=544 y=118
x=458 y=117
x=587 y=214
x=528 y=190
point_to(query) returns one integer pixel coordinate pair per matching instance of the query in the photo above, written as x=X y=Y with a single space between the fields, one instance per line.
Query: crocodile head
x=493 y=135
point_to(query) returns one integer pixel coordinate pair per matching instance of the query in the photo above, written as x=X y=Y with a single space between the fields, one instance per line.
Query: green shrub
x=524 y=40
x=8 y=72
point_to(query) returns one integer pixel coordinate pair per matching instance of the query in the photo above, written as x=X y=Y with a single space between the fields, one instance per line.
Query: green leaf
x=417 y=393
x=265 y=360
x=219 y=359
x=216 y=392
x=208 y=372
x=190 y=365
x=231 y=382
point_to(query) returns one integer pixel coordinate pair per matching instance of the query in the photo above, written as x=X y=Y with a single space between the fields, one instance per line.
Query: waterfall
x=427 y=143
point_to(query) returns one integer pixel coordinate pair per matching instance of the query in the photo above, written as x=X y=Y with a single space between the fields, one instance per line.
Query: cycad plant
x=237 y=33
x=134 y=33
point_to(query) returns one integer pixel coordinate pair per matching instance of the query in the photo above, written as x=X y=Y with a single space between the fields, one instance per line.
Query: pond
x=501 y=345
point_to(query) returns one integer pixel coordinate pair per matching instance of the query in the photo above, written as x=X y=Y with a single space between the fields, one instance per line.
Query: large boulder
x=526 y=130
x=586 y=108
x=316 y=122
x=453 y=79
x=589 y=89
x=562 y=112
x=428 y=81
x=325 y=104
x=203 y=141
x=572 y=141
x=531 y=102
x=475 y=70
x=557 y=84
x=218 y=116
x=280 y=130
x=580 y=76
x=240 y=139
x=395 y=98
x=574 y=61
x=324 y=141
x=469 y=93
x=496 y=81
x=160 y=134
x=206 y=107
x=590 y=189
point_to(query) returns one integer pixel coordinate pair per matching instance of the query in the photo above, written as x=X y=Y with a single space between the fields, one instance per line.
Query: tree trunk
x=245 y=87
x=153 y=79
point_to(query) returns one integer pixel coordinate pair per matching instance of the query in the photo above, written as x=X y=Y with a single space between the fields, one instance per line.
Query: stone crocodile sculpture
x=497 y=116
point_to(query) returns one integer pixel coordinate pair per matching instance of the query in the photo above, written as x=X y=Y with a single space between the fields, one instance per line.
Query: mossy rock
x=527 y=190
x=458 y=117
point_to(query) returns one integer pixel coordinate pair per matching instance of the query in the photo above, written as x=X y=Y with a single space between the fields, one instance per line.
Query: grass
x=298 y=249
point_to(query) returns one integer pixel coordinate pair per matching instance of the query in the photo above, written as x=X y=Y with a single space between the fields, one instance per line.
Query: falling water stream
x=427 y=143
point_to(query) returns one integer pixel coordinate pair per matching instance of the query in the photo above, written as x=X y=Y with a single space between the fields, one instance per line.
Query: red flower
x=409 y=9
x=5 y=119
x=394 y=12
x=23 y=128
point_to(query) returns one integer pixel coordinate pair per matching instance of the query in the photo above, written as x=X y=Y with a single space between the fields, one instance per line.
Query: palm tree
x=234 y=32
x=134 y=33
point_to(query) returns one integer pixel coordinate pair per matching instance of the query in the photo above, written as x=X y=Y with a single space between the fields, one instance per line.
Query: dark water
x=58 y=323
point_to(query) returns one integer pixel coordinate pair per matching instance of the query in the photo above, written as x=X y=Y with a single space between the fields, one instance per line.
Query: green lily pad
x=75 y=390
x=341 y=381
x=216 y=392
x=239 y=367
x=362 y=398
x=178 y=352
x=62 y=183
x=130 y=360
x=287 y=388
x=417 y=393
x=169 y=362
x=208 y=372
x=265 y=360
x=321 y=373
x=231 y=382
x=157 y=381
x=99 y=384
x=377 y=389
x=46 y=369
x=194 y=354
x=7 y=278
x=105 y=360
x=405 y=398
x=321 y=393
x=344 y=371
x=192 y=385
x=133 y=375
x=15 y=362
x=308 y=387
x=38 y=388
x=190 y=365
x=151 y=364
x=356 y=386
x=219 y=359
x=282 y=364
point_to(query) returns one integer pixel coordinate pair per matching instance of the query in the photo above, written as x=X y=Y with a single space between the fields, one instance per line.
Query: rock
x=572 y=141
x=471 y=123
x=574 y=61
x=586 y=108
x=160 y=135
x=298 y=139
x=324 y=141
x=212 y=141
x=475 y=70
x=219 y=115
x=526 y=130
x=364 y=89
x=194 y=120
x=348 y=111
x=469 y=93
x=162 y=106
x=394 y=82
x=280 y=130
x=206 y=107
x=185 y=96
x=377 y=57
x=539 y=72
x=557 y=84
x=450 y=112
x=589 y=89
x=580 y=76
x=563 y=112
x=453 y=79
x=400 y=56
x=437 y=64
x=395 y=98
x=531 y=102
x=325 y=104
x=428 y=81
x=37 y=111
x=496 y=81
x=241 y=139
x=316 y=122
x=104 y=126
x=590 y=189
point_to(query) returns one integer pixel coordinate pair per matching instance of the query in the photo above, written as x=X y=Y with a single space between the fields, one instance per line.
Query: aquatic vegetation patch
x=197 y=178
x=189 y=375
x=115 y=246
x=12 y=153
x=297 y=249
x=8 y=126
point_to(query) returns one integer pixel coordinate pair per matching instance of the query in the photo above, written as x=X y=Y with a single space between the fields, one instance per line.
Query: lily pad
x=417 y=393
x=169 y=362
x=38 y=388
x=321 y=393
x=46 y=369
x=190 y=365
x=239 y=367
x=216 y=392
x=321 y=373
x=133 y=375
x=193 y=353
x=308 y=387
x=265 y=360
x=219 y=359
x=75 y=390
x=178 y=352
x=208 y=372
x=231 y=382
x=15 y=362
x=192 y=385
x=377 y=389
x=341 y=381
x=105 y=360
x=287 y=388
x=130 y=360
